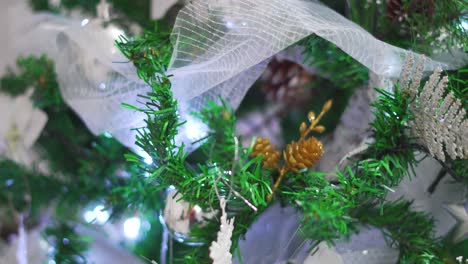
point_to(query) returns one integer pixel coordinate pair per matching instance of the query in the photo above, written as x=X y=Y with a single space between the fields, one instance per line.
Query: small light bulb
x=101 y=215
x=132 y=227
x=89 y=216
x=84 y=22
x=146 y=157
x=98 y=215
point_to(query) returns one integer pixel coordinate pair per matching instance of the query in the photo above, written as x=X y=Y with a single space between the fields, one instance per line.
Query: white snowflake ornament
x=20 y=126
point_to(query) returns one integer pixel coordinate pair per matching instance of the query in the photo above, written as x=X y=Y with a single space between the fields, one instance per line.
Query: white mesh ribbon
x=217 y=40
x=94 y=77
x=220 y=48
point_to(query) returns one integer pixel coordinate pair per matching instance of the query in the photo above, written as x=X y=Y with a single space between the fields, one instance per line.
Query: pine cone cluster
x=298 y=155
x=303 y=154
x=270 y=155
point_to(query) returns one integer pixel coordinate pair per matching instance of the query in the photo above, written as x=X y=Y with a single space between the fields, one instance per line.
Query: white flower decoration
x=20 y=126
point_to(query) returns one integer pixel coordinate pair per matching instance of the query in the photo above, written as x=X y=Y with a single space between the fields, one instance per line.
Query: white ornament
x=20 y=126
x=35 y=244
x=275 y=237
x=179 y=216
x=220 y=249
x=54 y=3
x=416 y=189
x=103 y=10
x=22 y=249
x=324 y=254
x=367 y=247
x=159 y=8
x=458 y=211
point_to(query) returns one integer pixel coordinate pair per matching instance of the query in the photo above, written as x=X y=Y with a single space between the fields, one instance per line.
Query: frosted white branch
x=220 y=249
x=439 y=121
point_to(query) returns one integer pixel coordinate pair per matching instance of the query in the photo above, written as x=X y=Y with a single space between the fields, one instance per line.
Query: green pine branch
x=82 y=168
x=228 y=170
x=68 y=246
x=335 y=210
x=412 y=232
x=342 y=70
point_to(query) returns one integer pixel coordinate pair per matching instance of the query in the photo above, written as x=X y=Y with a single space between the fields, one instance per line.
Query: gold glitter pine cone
x=303 y=154
x=270 y=155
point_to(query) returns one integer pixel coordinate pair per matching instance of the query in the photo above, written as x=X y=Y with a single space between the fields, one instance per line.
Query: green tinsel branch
x=331 y=210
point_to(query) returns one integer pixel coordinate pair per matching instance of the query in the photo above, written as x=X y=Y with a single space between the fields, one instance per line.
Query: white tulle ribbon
x=94 y=77
x=215 y=41
x=220 y=49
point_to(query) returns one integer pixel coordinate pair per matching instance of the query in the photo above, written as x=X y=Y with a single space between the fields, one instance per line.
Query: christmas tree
x=245 y=131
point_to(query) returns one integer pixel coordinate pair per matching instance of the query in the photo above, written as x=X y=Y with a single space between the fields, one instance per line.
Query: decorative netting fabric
x=94 y=77
x=220 y=49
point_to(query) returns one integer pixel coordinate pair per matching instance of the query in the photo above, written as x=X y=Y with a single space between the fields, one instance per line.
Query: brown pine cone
x=285 y=81
x=399 y=10
x=303 y=154
x=270 y=155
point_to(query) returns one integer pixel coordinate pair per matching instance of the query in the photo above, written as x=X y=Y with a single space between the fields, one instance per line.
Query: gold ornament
x=270 y=155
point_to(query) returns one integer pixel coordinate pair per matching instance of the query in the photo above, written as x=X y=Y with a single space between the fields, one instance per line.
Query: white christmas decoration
x=367 y=247
x=458 y=211
x=416 y=189
x=439 y=121
x=221 y=48
x=180 y=216
x=103 y=10
x=220 y=249
x=324 y=254
x=160 y=7
x=105 y=247
x=20 y=126
x=28 y=246
x=351 y=136
x=275 y=237
x=22 y=249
